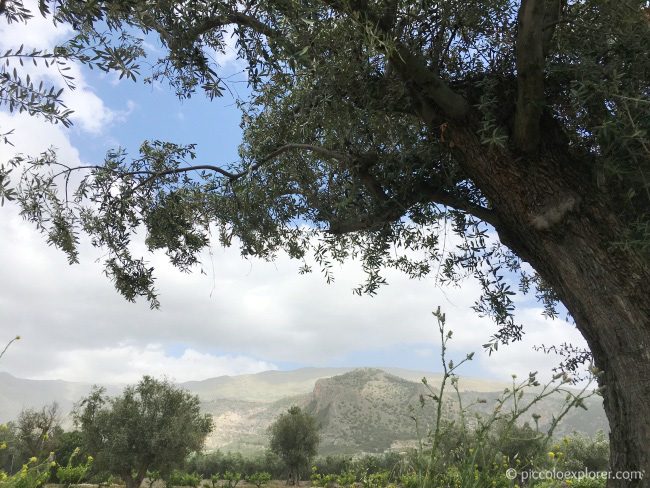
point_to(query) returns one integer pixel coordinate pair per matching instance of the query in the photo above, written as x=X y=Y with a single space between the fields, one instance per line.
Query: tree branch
x=238 y=18
x=425 y=86
x=211 y=23
x=533 y=43
x=485 y=214
x=392 y=210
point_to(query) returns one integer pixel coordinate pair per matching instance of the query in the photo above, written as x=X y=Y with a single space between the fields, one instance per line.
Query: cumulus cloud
x=228 y=56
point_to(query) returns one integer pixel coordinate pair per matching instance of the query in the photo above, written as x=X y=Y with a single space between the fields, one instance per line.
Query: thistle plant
x=475 y=456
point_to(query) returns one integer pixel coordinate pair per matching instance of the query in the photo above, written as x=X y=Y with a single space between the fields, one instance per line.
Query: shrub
x=375 y=480
x=322 y=480
x=73 y=474
x=181 y=478
x=346 y=480
x=579 y=452
x=259 y=479
x=231 y=478
x=466 y=451
x=31 y=475
x=217 y=462
x=589 y=483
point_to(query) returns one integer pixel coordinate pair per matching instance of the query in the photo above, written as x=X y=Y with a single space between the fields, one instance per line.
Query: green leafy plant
x=346 y=480
x=259 y=479
x=33 y=474
x=73 y=473
x=322 y=480
x=231 y=478
x=152 y=477
x=375 y=480
x=214 y=480
x=181 y=478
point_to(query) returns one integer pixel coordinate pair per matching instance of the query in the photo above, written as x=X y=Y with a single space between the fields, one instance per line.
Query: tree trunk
x=129 y=481
x=603 y=291
x=132 y=482
x=552 y=215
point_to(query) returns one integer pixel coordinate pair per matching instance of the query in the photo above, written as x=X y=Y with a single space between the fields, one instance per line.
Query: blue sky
x=242 y=316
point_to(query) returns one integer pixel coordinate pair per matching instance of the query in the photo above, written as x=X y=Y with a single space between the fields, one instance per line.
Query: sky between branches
x=240 y=316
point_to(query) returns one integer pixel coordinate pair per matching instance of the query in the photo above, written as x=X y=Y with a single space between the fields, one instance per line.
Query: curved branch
x=233 y=18
x=153 y=175
x=392 y=211
x=485 y=214
x=211 y=23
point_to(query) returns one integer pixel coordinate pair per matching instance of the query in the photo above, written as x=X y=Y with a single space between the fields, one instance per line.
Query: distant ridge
x=359 y=409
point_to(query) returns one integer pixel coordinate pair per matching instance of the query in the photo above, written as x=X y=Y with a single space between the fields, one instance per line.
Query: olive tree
x=294 y=437
x=38 y=432
x=374 y=128
x=150 y=426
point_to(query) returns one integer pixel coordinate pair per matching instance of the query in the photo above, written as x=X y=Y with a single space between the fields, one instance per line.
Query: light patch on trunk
x=553 y=214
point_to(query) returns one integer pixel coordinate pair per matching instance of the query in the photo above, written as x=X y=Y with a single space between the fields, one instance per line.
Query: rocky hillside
x=370 y=410
x=366 y=410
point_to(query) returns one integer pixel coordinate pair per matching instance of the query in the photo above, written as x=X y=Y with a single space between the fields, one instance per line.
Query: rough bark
x=133 y=482
x=553 y=216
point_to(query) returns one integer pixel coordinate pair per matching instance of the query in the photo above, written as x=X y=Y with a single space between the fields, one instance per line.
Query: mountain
x=359 y=410
x=367 y=410
x=17 y=394
x=265 y=387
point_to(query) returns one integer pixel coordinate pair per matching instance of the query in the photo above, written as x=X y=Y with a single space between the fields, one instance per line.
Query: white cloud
x=73 y=322
x=228 y=56
x=34 y=135
x=38 y=33
x=128 y=363
x=91 y=114
x=520 y=358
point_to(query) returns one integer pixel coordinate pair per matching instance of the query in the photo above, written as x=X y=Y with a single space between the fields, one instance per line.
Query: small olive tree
x=152 y=425
x=295 y=438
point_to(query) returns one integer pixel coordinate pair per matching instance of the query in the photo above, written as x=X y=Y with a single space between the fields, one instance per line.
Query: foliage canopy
x=152 y=425
x=341 y=157
x=294 y=437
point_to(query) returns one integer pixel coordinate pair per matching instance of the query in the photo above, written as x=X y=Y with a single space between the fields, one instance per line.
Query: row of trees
x=151 y=426
x=148 y=431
